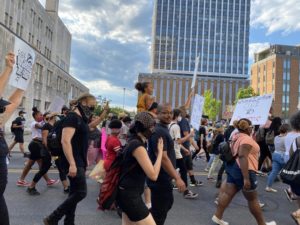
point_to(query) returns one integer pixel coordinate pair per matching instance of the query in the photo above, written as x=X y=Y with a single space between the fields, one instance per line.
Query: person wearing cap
x=137 y=166
x=18 y=128
x=124 y=130
x=217 y=139
x=113 y=144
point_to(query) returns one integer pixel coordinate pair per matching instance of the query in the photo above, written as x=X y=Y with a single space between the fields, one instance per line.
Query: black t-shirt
x=3 y=145
x=19 y=121
x=185 y=127
x=202 y=131
x=228 y=132
x=48 y=127
x=161 y=131
x=132 y=175
x=219 y=139
x=80 y=138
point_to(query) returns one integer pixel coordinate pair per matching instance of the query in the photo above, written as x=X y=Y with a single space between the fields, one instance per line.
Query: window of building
x=37 y=103
x=21 y=31
x=23 y=4
x=6 y=19
x=49 y=78
x=47 y=104
x=38 y=72
x=10 y=22
x=18 y=29
x=59 y=83
x=66 y=86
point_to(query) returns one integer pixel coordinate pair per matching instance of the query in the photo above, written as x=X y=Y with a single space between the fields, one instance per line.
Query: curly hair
x=295 y=121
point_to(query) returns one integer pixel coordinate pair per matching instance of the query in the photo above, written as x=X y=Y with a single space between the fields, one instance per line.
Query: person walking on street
x=18 y=130
x=75 y=146
x=241 y=175
x=162 y=190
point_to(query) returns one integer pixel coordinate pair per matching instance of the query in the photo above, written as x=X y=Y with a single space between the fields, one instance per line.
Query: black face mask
x=2 y=109
x=86 y=112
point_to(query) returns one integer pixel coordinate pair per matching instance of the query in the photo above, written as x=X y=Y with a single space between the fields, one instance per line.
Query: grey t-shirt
x=279 y=144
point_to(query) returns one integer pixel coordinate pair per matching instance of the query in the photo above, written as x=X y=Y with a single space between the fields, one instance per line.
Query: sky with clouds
x=112 y=39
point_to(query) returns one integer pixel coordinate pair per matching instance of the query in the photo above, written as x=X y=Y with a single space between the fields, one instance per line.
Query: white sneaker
x=216 y=220
x=268 y=189
x=271 y=223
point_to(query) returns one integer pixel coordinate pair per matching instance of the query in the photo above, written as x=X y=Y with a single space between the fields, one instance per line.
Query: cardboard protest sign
x=56 y=104
x=22 y=71
x=256 y=109
x=197 y=111
x=227 y=114
x=195 y=72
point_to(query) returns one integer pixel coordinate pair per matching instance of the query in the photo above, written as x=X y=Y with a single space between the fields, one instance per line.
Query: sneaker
x=22 y=183
x=197 y=183
x=261 y=205
x=67 y=190
x=290 y=196
x=268 y=189
x=47 y=221
x=32 y=191
x=51 y=182
x=216 y=220
x=211 y=179
x=206 y=169
x=26 y=155
x=190 y=195
x=271 y=223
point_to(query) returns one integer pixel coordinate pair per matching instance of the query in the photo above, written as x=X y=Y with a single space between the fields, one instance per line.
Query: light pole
x=124 y=89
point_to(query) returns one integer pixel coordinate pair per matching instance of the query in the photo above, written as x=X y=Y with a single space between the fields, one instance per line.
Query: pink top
x=244 y=139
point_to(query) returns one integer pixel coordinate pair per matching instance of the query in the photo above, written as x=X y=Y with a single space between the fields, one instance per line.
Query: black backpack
x=226 y=153
x=13 y=129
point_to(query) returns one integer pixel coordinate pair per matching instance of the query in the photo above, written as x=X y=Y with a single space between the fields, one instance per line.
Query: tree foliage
x=245 y=93
x=211 y=105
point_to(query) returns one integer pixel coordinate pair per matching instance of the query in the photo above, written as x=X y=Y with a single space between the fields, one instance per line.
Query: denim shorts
x=235 y=176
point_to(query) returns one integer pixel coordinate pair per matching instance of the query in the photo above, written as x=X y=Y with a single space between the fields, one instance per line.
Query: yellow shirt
x=141 y=105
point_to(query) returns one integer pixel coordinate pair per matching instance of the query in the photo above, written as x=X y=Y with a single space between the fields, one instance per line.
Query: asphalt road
x=30 y=210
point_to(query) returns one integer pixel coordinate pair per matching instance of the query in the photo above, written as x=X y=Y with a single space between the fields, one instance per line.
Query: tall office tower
x=215 y=30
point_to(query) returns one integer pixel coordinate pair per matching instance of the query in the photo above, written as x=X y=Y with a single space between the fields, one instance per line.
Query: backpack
x=226 y=153
x=109 y=188
x=13 y=129
x=54 y=138
x=260 y=134
x=270 y=138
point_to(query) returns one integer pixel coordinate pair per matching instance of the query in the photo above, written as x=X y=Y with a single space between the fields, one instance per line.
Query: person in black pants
x=75 y=146
x=6 y=110
x=162 y=190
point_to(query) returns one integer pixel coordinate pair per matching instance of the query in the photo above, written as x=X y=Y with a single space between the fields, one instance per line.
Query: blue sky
x=112 y=39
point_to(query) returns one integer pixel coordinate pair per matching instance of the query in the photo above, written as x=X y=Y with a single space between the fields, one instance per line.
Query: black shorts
x=35 y=148
x=19 y=137
x=132 y=204
x=188 y=162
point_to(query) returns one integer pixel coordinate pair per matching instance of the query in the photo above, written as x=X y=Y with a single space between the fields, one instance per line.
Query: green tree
x=245 y=93
x=211 y=105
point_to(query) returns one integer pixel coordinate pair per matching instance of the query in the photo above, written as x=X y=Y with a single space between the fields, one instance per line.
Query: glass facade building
x=215 y=30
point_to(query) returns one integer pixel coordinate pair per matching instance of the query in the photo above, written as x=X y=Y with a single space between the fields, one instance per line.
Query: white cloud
x=276 y=15
x=256 y=47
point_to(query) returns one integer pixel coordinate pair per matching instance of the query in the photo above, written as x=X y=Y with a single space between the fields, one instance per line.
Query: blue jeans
x=277 y=165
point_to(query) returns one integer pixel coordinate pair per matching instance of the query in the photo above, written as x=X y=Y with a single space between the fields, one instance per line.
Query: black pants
x=162 y=200
x=182 y=170
x=264 y=153
x=78 y=191
x=61 y=169
x=46 y=164
x=4 y=218
x=221 y=171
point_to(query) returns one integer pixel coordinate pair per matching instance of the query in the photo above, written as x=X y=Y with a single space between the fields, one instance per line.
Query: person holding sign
x=146 y=99
x=6 y=110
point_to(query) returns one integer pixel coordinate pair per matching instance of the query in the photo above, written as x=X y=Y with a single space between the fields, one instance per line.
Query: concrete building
x=276 y=70
x=44 y=31
x=215 y=30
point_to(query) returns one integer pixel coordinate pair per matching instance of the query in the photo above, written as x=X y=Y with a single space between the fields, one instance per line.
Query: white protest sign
x=197 y=111
x=25 y=58
x=56 y=104
x=256 y=109
x=195 y=72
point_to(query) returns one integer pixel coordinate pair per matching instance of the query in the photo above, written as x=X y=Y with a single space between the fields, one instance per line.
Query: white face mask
x=179 y=118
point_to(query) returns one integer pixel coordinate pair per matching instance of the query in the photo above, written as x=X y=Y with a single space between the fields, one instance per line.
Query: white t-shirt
x=123 y=134
x=174 y=130
x=289 y=140
x=36 y=132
